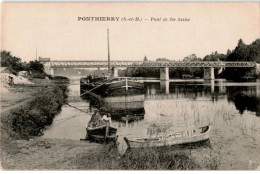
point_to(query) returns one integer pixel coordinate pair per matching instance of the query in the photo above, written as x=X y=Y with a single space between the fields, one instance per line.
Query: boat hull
x=113 y=88
x=101 y=130
x=142 y=143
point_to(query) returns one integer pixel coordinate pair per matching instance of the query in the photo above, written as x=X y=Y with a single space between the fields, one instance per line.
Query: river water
x=232 y=109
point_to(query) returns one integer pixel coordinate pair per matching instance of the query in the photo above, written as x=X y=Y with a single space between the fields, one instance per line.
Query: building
x=46 y=63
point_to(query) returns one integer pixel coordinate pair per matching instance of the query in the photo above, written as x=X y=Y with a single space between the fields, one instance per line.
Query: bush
x=31 y=120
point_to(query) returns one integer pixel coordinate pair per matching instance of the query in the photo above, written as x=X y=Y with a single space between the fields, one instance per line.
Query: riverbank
x=22 y=110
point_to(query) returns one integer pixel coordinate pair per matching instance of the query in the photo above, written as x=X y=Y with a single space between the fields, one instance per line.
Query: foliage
x=162 y=59
x=215 y=57
x=35 y=66
x=31 y=120
x=192 y=57
x=243 y=52
x=13 y=63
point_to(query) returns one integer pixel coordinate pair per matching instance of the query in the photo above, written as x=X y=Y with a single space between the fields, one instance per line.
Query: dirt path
x=49 y=154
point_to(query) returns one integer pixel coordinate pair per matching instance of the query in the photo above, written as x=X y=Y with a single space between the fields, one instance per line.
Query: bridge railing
x=104 y=64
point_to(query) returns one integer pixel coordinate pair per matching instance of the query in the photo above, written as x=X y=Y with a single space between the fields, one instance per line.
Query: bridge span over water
x=104 y=64
x=163 y=65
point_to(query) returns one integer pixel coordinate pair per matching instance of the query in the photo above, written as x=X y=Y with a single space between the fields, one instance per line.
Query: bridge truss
x=104 y=64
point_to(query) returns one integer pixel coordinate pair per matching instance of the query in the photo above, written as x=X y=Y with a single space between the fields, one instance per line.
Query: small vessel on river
x=100 y=129
x=176 y=138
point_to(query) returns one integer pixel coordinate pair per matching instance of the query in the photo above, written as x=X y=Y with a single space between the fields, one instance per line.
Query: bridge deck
x=104 y=64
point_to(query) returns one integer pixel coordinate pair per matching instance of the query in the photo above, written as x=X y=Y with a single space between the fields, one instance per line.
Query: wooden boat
x=104 y=132
x=101 y=130
x=101 y=88
x=98 y=129
x=176 y=138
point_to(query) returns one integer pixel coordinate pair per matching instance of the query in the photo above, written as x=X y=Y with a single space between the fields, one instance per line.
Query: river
x=232 y=108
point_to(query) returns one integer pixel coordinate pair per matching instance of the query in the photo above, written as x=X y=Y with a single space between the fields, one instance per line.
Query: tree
x=240 y=43
x=192 y=57
x=13 y=63
x=228 y=52
x=215 y=57
x=162 y=59
x=145 y=59
x=35 y=66
x=243 y=52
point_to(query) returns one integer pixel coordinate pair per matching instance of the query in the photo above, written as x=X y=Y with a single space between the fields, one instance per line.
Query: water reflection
x=245 y=98
x=124 y=108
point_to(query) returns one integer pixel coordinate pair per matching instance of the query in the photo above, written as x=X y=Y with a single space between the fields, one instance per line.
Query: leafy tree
x=145 y=59
x=215 y=57
x=243 y=52
x=228 y=52
x=162 y=59
x=35 y=66
x=13 y=63
x=192 y=57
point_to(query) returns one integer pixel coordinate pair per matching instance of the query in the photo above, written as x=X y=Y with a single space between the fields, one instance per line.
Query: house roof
x=41 y=59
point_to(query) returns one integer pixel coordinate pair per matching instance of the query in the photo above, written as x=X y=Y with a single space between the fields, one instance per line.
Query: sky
x=53 y=29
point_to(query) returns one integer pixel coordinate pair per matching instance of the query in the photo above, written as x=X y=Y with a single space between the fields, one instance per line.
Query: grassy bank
x=31 y=119
x=163 y=158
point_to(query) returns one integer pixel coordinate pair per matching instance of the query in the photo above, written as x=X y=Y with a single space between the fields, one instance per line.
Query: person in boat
x=96 y=117
x=107 y=118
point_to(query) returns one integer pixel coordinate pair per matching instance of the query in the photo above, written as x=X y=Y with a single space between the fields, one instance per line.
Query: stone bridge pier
x=114 y=72
x=52 y=71
x=164 y=74
x=165 y=86
x=209 y=73
x=257 y=68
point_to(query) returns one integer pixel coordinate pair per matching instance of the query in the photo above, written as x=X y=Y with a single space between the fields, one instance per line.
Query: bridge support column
x=165 y=85
x=258 y=88
x=257 y=68
x=52 y=71
x=222 y=87
x=164 y=73
x=209 y=73
x=114 y=72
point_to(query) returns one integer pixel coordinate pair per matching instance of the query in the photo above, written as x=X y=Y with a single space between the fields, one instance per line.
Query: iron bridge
x=104 y=64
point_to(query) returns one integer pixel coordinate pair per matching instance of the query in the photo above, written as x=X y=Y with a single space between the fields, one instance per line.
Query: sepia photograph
x=130 y=86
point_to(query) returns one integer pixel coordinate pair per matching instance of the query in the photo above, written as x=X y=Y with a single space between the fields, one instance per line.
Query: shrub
x=31 y=120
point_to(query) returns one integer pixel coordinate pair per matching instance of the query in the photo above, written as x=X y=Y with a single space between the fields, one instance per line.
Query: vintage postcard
x=130 y=86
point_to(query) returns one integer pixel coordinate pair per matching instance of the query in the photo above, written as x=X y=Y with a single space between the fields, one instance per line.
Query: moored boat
x=100 y=129
x=176 y=138
x=102 y=133
x=101 y=87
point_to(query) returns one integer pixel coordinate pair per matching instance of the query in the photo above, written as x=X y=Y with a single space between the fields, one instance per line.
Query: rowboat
x=101 y=130
x=101 y=133
x=176 y=138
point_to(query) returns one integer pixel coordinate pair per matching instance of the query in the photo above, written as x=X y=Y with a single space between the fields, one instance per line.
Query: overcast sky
x=54 y=30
